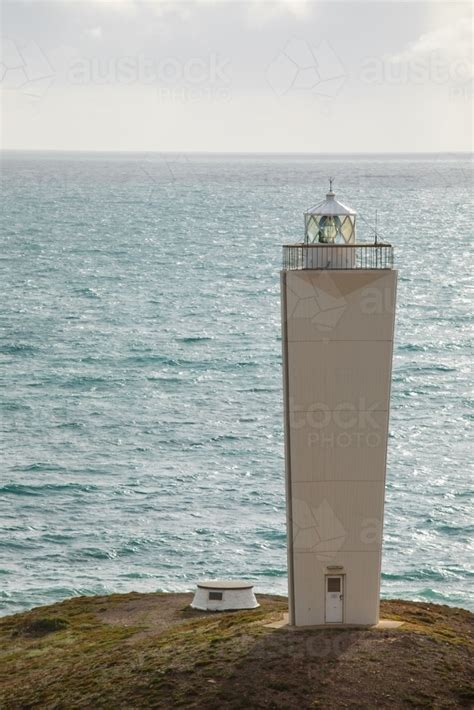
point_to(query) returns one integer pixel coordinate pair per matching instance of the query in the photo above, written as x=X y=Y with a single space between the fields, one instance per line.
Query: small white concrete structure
x=224 y=595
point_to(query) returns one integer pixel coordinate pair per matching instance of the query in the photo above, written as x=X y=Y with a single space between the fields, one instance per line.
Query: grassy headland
x=153 y=651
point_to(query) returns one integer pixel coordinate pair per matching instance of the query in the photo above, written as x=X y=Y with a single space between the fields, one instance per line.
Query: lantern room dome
x=330 y=221
x=331 y=206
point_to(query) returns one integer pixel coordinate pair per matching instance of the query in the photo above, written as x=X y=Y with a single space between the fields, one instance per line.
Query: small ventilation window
x=334 y=584
x=215 y=596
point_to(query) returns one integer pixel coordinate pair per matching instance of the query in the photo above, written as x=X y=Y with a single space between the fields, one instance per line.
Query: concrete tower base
x=337 y=359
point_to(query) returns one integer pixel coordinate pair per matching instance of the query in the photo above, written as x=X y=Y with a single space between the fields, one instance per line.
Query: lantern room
x=330 y=222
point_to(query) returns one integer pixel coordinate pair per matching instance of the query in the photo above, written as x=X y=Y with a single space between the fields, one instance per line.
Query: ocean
x=140 y=368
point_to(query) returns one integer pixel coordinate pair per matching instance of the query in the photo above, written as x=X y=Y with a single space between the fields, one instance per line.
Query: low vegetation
x=153 y=651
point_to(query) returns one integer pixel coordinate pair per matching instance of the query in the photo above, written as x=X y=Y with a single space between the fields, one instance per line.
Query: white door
x=334 y=599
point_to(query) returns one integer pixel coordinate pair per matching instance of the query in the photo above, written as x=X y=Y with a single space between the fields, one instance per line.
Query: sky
x=225 y=76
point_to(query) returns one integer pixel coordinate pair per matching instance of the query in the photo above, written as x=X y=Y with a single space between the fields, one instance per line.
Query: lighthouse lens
x=328 y=229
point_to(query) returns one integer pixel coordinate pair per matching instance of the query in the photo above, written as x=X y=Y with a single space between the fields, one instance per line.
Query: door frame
x=342 y=576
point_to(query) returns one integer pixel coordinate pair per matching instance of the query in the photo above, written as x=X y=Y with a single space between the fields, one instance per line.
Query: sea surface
x=141 y=396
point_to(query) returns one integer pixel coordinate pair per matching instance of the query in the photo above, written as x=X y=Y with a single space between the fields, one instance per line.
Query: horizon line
x=237 y=152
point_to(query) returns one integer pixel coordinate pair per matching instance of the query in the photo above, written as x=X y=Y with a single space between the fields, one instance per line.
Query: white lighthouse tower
x=338 y=310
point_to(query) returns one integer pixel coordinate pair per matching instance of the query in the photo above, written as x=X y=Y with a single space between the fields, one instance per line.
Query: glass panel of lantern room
x=312 y=228
x=348 y=229
x=306 y=223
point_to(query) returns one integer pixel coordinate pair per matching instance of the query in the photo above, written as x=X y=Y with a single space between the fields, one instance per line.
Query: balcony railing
x=337 y=256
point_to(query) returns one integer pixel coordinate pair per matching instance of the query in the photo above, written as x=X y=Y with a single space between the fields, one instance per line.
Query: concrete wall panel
x=340 y=305
x=343 y=445
x=336 y=373
x=334 y=516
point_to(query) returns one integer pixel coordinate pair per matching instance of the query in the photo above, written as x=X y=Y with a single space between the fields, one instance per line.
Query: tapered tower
x=338 y=309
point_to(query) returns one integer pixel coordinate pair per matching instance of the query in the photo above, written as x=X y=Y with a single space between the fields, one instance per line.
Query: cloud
x=257 y=12
x=157 y=8
x=115 y=3
x=94 y=32
x=124 y=7
x=452 y=45
x=261 y=12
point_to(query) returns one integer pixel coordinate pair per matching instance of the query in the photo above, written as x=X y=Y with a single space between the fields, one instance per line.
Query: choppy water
x=140 y=369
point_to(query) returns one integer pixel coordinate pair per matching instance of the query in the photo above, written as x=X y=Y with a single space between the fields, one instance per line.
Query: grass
x=153 y=651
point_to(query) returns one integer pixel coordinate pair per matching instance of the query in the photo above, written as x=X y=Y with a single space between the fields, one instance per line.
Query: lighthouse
x=338 y=311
